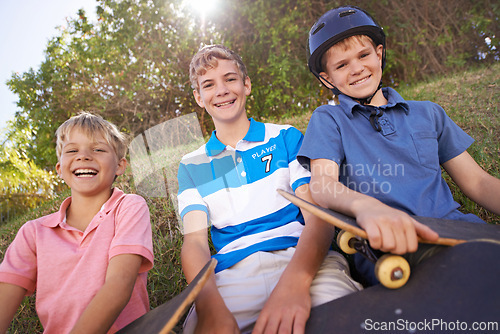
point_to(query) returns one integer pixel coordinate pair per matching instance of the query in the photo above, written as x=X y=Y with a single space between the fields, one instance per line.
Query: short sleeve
x=188 y=197
x=322 y=139
x=452 y=140
x=298 y=174
x=133 y=233
x=19 y=266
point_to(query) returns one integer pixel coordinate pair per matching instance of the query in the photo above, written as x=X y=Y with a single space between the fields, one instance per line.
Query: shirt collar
x=106 y=208
x=256 y=132
x=116 y=196
x=393 y=99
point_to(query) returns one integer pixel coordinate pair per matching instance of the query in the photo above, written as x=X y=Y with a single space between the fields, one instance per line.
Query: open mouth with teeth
x=360 y=81
x=85 y=172
x=224 y=104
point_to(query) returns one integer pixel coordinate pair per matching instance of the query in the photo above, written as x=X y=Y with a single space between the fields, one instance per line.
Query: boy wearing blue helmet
x=375 y=156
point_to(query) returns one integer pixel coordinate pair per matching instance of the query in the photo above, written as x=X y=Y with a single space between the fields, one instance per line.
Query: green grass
x=470 y=98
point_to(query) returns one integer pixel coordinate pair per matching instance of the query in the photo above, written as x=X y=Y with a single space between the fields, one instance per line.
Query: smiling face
x=88 y=165
x=355 y=68
x=222 y=92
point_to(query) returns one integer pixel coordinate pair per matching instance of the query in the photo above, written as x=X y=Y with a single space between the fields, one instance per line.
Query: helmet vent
x=318 y=28
x=347 y=12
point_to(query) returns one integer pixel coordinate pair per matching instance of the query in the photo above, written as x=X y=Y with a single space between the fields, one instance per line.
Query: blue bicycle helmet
x=335 y=26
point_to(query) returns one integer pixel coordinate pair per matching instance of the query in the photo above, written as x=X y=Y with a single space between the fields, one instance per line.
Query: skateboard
x=162 y=319
x=450 y=292
x=393 y=271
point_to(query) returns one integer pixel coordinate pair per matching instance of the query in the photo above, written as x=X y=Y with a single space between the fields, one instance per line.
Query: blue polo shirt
x=236 y=188
x=400 y=165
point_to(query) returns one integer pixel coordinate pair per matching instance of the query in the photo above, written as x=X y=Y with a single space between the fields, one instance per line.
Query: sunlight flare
x=202 y=6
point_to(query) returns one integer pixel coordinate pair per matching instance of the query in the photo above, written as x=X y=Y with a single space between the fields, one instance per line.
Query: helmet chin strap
x=368 y=99
x=375 y=113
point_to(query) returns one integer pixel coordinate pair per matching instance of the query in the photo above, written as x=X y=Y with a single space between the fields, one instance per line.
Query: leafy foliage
x=23 y=185
x=131 y=66
x=271 y=37
x=424 y=38
x=428 y=38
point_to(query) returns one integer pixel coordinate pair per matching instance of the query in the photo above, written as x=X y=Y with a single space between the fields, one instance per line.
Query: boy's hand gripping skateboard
x=162 y=319
x=391 y=270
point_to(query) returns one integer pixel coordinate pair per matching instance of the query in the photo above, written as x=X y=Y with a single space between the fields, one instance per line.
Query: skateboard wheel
x=343 y=239
x=392 y=271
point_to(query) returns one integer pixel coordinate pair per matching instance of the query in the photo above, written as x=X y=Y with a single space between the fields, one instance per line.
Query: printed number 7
x=267 y=159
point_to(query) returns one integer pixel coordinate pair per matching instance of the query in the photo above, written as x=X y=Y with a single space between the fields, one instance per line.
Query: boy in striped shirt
x=274 y=262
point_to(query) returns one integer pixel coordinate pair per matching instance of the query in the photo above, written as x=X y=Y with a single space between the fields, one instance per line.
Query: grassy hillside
x=470 y=98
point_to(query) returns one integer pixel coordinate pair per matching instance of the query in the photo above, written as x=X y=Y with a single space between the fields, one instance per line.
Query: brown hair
x=206 y=59
x=345 y=44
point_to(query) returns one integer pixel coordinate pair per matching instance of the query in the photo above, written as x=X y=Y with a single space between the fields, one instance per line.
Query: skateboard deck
x=449 y=293
x=162 y=319
x=393 y=271
x=451 y=232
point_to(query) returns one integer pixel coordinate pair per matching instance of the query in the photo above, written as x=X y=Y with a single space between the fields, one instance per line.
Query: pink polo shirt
x=67 y=267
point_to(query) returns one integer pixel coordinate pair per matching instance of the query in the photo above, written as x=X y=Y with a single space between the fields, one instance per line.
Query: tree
x=436 y=37
x=424 y=38
x=23 y=184
x=271 y=36
x=130 y=67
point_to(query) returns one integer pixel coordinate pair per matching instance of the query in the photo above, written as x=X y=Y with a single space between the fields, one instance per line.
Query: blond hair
x=345 y=44
x=207 y=58
x=92 y=125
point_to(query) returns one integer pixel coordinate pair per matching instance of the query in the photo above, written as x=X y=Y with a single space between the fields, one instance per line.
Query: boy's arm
x=475 y=183
x=289 y=305
x=388 y=229
x=213 y=315
x=113 y=296
x=11 y=297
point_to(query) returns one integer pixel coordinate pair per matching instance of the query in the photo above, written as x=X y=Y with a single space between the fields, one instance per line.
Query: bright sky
x=25 y=28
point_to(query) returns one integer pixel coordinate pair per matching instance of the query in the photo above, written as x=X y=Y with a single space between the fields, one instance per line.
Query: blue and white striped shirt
x=237 y=190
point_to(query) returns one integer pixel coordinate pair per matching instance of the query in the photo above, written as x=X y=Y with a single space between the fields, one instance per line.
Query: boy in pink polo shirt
x=88 y=262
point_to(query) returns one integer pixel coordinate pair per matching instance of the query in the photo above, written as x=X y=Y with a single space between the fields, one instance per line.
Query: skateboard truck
x=361 y=246
x=392 y=271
